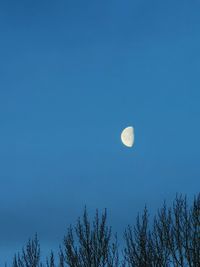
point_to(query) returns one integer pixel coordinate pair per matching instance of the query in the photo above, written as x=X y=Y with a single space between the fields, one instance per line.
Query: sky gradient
x=73 y=74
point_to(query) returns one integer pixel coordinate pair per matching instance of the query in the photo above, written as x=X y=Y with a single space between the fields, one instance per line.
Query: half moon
x=127 y=136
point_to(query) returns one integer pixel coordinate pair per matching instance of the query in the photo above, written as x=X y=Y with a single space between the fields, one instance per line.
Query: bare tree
x=51 y=262
x=172 y=238
x=139 y=247
x=61 y=258
x=30 y=255
x=160 y=250
x=90 y=244
x=179 y=229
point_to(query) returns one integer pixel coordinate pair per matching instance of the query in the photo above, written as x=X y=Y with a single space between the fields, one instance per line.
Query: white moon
x=127 y=136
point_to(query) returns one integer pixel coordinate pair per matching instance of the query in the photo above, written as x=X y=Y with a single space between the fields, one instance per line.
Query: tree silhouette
x=61 y=258
x=51 y=262
x=171 y=238
x=30 y=255
x=90 y=245
x=174 y=237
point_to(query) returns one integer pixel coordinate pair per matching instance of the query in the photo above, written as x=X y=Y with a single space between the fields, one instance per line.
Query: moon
x=127 y=136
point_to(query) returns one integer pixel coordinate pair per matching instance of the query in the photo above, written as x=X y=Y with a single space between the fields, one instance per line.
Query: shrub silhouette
x=170 y=238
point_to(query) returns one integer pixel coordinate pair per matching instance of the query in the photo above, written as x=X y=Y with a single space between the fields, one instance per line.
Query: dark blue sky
x=73 y=74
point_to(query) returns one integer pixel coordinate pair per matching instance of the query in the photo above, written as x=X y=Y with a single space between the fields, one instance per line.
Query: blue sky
x=73 y=74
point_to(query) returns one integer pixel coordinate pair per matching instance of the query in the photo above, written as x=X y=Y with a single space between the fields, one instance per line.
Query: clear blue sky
x=73 y=74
